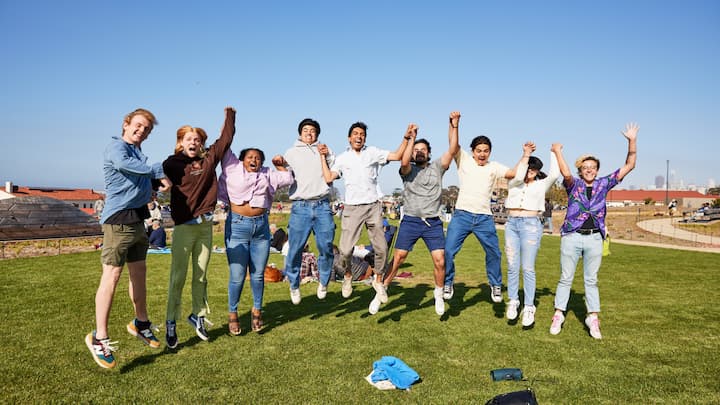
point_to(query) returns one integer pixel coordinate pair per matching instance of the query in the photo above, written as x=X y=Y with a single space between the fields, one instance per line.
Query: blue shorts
x=414 y=228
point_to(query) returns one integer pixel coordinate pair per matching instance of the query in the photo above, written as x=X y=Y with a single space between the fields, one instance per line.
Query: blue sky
x=556 y=71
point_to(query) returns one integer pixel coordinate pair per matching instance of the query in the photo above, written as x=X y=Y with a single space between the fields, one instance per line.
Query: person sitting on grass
x=158 y=238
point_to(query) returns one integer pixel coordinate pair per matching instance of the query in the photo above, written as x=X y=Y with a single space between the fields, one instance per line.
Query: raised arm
x=328 y=175
x=222 y=144
x=565 y=172
x=630 y=133
x=398 y=153
x=518 y=172
x=407 y=153
x=453 y=142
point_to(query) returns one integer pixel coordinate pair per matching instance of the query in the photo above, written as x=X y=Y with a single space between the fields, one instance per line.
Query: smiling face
x=308 y=134
x=481 y=154
x=357 y=139
x=588 y=171
x=191 y=144
x=252 y=161
x=136 y=130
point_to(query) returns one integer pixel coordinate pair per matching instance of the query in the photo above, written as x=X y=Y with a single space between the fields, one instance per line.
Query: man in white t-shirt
x=477 y=175
x=360 y=166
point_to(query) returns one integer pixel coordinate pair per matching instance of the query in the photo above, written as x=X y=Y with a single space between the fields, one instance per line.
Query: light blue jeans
x=307 y=216
x=483 y=227
x=572 y=246
x=247 y=243
x=522 y=242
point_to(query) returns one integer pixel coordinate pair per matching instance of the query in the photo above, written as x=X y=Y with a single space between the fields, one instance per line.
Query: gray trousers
x=353 y=218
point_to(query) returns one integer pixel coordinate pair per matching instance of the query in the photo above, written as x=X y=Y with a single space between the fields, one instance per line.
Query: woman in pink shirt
x=248 y=189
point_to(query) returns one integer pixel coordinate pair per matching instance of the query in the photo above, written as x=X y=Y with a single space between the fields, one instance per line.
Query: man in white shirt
x=360 y=166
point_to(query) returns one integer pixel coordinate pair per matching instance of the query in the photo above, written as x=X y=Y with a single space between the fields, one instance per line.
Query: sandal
x=256 y=322
x=233 y=324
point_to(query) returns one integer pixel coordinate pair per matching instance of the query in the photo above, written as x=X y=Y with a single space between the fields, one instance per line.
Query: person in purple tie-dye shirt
x=583 y=230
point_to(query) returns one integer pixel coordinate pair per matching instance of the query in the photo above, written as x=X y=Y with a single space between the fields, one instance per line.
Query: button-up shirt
x=360 y=171
x=239 y=186
x=580 y=207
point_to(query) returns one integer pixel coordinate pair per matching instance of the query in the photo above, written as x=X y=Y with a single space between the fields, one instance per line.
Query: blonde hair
x=184 y=130
x=582 y=159
x=145 y=113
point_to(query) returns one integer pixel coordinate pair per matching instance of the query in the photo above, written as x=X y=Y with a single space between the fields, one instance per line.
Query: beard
x=420 y=158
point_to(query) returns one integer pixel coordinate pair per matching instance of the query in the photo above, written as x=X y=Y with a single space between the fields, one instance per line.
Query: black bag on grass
x=526 y=397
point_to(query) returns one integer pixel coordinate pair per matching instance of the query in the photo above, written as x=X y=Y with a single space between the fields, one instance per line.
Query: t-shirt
x=476 y=183
x=423 y=188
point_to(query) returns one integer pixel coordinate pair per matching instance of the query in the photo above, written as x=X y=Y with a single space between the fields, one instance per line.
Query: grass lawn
x=660 y=324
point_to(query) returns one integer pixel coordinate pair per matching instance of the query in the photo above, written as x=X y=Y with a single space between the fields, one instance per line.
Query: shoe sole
x=151 y=343
x=380 y=291
x=88 y=343
x=197 y=332
x=374 y=307
x=440 y=310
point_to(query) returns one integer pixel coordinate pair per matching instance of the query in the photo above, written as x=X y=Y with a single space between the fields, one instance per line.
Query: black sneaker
x=170 y=334
x=198 y=322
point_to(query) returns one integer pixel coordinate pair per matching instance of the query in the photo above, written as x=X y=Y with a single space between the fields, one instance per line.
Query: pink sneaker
x=593 y=323
x=557 y=322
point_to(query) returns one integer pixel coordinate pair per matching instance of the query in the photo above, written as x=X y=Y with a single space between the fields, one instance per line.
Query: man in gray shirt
x=421 y=197
x=310 y=196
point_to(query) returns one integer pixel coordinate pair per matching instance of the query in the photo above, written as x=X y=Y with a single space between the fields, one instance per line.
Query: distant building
x=84 y=199
x=686 y=199
x=659 y=182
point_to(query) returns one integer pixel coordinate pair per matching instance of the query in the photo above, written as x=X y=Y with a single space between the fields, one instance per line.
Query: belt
x=587 y=231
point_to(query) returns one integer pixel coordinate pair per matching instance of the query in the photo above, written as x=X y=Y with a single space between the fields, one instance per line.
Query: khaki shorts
x=124 y=243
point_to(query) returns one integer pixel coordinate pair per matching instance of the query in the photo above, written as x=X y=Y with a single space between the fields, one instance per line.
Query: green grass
x=660 y=323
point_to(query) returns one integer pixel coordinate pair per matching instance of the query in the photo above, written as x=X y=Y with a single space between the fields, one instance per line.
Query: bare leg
x=398 y=259
x=137 y=289
x=438 y=257
x=104 y=298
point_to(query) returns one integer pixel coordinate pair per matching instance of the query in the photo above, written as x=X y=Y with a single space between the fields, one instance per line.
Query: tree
x=449 y=196
x=649 y=201
x=557 y=195
x=714 y=191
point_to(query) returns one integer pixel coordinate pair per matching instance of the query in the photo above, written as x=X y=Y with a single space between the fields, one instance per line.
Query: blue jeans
x=483 y=227
x=247 y=243
x=522 y=242
x=306 y=216
x=572 y=246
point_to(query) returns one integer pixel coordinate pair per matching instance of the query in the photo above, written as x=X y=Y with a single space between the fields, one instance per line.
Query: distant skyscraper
x=659 y=181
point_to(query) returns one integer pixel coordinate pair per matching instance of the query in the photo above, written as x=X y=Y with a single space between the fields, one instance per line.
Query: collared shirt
x=127 y=178
x=423 y=188
x=361 y=171
x=580 y=207
x=304 y=160
x=476 y=183
x=531 y=196
x=239 y=186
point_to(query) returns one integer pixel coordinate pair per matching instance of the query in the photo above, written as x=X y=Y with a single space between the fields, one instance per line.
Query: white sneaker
x=593 y=323
x=380 y=290
x=448 y=292
x=346 y=287
x=512 y=308
x=321 y=291
x=439 y=301
x=295 y=296
x=528 y=315
x=557 y=322
x=374 y=305
x=496 y=293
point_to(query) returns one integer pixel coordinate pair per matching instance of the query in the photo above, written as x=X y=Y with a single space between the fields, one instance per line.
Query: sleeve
x=554 y=173
x=218 y=149
x=280 y=179
x=124 y=163
x=520 y=173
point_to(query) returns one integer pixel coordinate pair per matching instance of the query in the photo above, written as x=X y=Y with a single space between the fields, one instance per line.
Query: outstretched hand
x=631 y=130
x=556 y=147
x=278 y=160
x=528 y=148
x=455 y=118
x=411 y=131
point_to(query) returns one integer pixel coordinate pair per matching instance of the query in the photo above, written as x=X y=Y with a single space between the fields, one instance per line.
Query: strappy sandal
x=256 y=320
x=233 y=324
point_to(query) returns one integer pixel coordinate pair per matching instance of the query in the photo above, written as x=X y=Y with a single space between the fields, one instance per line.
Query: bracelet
x=407 y=138
x=454 y=127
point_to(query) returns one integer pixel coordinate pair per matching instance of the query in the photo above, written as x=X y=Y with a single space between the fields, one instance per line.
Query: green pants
x=188 y=241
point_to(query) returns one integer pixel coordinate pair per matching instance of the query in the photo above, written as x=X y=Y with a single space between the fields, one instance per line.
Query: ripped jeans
x=522 y=241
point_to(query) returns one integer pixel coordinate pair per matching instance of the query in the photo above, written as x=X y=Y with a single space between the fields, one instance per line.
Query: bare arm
x=279 y=162
x=562 y=164
x=328 y=175
x=630 y=133
x=453 y=142
x=397 y=154
x=407 y=153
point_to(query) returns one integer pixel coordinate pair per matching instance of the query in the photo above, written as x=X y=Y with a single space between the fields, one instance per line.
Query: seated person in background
x=279 y=236
x=360 y=268
x=158 y=239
